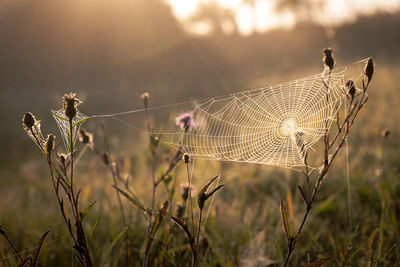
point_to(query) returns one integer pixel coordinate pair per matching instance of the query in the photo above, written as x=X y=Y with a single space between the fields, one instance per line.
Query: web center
x=288 y=126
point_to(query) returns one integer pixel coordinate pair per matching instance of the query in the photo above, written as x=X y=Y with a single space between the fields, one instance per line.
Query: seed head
x=369 y=69
x=351 y=88
x=85 y=137
x=328 y=59
x=70 y=102
x=145 y=97
x=50 y=143
x=186 y=158
x=62 y=158
x=28 y=120
x=185 y=188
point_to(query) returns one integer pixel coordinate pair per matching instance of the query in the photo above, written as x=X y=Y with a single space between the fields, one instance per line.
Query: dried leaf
x=320 y=261
x=24 y=261
x=189 y=236
x=39 y=246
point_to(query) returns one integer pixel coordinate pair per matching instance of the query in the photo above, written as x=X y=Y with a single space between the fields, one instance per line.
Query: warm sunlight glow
x=260 y=15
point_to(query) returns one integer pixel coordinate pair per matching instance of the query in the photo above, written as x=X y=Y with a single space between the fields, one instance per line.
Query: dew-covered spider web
x=274 y=125
x=64 y=126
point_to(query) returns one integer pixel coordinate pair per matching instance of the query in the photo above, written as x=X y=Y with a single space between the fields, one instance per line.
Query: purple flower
x=186 y=121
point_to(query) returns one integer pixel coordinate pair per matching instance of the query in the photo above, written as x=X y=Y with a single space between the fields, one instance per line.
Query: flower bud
x=50 y=143
x=328 y=59
x=186 y=158
x=369 y=69
x=85 y=137
x=28 y=120
x=145 y=97
x=70 y=102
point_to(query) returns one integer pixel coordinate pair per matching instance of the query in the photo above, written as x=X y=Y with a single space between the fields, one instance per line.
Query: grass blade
x=285 y=221
x=39 y=246
x=24 y=261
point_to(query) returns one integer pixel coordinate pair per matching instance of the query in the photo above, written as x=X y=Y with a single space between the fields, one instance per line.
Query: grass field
x=244 y=225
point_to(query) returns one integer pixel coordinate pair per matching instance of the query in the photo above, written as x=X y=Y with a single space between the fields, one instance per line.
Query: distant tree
x=216 y=15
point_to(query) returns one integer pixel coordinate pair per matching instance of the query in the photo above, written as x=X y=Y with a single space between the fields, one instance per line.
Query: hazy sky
x=335 y=12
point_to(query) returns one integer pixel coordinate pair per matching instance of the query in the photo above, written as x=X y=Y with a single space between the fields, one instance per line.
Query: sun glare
x=262 y=16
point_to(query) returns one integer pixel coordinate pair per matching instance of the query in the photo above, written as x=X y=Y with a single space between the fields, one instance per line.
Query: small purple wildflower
x=186 y=121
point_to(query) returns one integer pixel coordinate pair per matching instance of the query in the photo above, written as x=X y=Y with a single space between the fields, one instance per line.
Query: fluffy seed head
x=70 y=102
x=28 y=120
x=369 y=69
x=328 y=59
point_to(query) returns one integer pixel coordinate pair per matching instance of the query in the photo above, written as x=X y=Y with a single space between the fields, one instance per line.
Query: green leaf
x=285 y=221
x=38 y=247
x=93 y=230
x=80 y=121
x=62 y=118
x=117 y=237
x=83 y=214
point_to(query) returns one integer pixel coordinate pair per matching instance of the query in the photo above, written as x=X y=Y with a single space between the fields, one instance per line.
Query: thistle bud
x=70 y=102
x=50 y=143
x=351 y=88
x=186 y=158
x=28 y=120
x=328 y=59
x=369 y=69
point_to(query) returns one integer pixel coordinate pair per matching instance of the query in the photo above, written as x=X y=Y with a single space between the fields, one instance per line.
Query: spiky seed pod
x=328 y=59
x=351 y=88
x=70 y=102
x=28 y=120
x=145 y=97
x=186 y=158
x=50 y=143
x=369 y=69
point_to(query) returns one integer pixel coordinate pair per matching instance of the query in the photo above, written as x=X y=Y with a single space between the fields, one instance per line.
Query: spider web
x=64 y=127
x=274 y=125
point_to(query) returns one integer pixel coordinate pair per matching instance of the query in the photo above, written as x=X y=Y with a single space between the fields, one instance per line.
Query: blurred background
x=111 y=51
